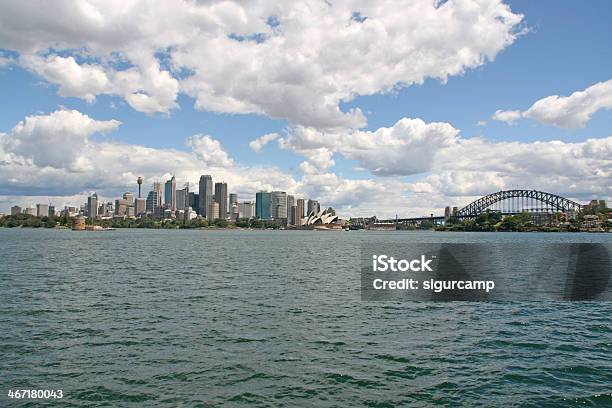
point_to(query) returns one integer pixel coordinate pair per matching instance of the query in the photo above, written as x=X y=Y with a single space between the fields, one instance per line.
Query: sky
x=375 y=108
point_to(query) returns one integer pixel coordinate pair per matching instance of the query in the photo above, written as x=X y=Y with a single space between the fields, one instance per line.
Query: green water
x=271 y=318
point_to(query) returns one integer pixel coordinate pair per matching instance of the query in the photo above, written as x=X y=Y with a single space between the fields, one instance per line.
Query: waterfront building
x=290 y=209
x=313 y=207
x=140 y=206
x=299 y=211
x=205 y=194
x=455 y=211
x=42 y=210
x=189 y=214
x=182 y=197
x=194 y=202
x=221 y=199
x=129 y=197
x=154 y=199
x=278 y=205
x=15 y=210
x=234 y=212
x=121 y=206
x=170 y=194
x=233 y=199
x=29 y=211
x=246 y=210
x=51 y=211
x=131 y=211
x=92 y=206
x=262 y=205
x=212 y=212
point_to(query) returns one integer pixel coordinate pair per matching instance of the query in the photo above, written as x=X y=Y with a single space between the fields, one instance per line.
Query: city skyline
x=371 y=119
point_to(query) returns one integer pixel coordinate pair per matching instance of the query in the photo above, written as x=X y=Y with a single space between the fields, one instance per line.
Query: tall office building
x=234 y=212
x=221 y=199
x=15 y=210
x=278 y=205
x=194 y=201
x=290 y=205
x=129 y=197
x=42 y=210
x=246 y=210
x=154 y=199
x=263 y=201
x=313 y=207
x=299 y=211
x=92 y=206
x=51 y=211
x=206 y=194
x=121 y=207
x=212 y=212
x=182 y=198
x=233 y=199
x=140 y=206
x=170 y=194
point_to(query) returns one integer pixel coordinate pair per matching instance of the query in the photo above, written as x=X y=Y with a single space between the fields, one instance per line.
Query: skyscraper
x=221 y=198
x=262 y=205
x=140 y=206
x=313 y=206
x=15 y=210
x=233 y=199
x=290 y=205
x=154 y=199
x=299 y=211
x=278 y=207
x=129 y=197
x=182 y=197
x=246 y=210
x=170 y=194
x=194 y=201
x=92 y=206
x=206 y=194
x=121 y=206
x=212 y=212
x=42 y=210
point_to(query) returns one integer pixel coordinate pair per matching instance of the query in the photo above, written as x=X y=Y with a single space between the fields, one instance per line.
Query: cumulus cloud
x=567 y=112
x=510 y=117
x=257 y=144
x=454 y=166
x=292 y=60
x=209 y=151
x=56 y=140
x=408 y=147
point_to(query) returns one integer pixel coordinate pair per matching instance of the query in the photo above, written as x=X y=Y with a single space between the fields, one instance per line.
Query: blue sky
x=560 y=48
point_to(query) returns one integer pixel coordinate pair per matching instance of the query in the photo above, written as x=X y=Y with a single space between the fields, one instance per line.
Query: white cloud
x=257 y=144
x=56 y=140
x=230 y=59
x=408 y=147
x=209 y=151
x=567 y=112
x=509 y=117
x=574 y=111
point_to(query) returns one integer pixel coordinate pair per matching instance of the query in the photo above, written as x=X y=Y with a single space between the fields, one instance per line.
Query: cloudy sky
x=387 y=107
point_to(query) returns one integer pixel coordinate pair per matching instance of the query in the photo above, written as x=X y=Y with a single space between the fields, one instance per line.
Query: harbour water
x=275 y=318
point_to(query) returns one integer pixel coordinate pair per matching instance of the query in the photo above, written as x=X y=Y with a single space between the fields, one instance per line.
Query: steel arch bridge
x=543 y=202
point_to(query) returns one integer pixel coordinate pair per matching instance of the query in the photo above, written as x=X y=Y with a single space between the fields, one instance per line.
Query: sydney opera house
x=324 y=220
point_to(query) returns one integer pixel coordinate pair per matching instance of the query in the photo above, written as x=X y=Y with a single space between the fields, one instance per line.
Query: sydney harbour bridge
x=506 y=202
